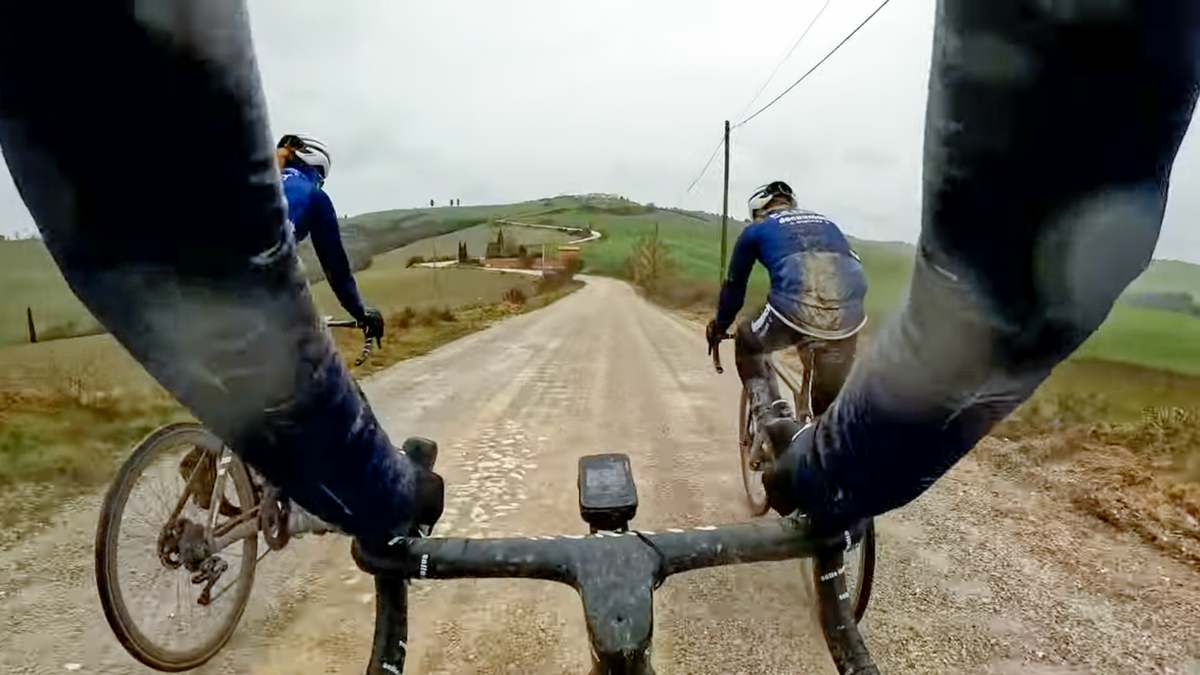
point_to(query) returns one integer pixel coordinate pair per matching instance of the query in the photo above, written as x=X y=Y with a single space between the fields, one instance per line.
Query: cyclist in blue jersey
x=816 y=300
x=304 y=164
x=1051 y=132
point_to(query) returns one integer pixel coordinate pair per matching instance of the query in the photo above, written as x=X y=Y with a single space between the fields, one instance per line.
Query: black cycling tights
x=136 y=134
x=1051 y=130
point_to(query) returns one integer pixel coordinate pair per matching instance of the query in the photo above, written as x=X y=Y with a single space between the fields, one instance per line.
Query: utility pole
x=725 y=206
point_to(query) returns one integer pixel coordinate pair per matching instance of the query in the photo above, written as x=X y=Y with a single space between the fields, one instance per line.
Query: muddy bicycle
x=178 y=539
x=614 y=569
x=755 y=453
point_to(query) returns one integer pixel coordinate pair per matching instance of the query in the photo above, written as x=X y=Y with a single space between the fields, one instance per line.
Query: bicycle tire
x=751 y=478
x=864 y=578
x=112 y=599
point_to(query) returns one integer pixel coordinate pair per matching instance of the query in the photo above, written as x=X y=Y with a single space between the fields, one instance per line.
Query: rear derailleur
x=190 y=545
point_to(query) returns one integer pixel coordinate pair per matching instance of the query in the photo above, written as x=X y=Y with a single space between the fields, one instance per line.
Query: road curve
x=980 y=575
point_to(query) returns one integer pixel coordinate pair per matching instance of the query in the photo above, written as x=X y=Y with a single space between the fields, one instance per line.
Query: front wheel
x=859 y=566
x=752 y=445
x=171 y=602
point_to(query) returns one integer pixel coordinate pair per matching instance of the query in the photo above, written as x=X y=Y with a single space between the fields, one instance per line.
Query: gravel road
x=981 y=575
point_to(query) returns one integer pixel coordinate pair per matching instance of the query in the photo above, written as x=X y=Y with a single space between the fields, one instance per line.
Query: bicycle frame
x=801 y=385
x=801 y=389
x=615 y=574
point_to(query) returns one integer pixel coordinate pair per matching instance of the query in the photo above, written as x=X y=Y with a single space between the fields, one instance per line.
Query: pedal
x=274 y=515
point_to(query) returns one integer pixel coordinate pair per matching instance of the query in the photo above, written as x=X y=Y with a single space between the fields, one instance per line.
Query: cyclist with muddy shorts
x=1052 y=130
x=816 y=300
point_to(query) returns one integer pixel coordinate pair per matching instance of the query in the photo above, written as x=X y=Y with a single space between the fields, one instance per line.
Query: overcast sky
x=494 y=102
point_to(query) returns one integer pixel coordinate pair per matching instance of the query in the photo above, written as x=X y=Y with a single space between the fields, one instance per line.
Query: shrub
x=435 y=315
x=650 y=263
x=515 y=296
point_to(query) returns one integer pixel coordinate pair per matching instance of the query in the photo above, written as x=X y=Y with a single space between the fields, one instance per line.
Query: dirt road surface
x=980 y=575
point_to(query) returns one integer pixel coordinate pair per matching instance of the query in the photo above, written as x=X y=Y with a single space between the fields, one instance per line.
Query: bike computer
x=607 y=494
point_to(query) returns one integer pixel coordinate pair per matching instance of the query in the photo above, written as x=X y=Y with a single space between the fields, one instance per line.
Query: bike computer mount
x=607 y=494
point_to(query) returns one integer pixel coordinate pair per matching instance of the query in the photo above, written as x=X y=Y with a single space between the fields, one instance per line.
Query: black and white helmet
x=765 y=193
x=310 y=150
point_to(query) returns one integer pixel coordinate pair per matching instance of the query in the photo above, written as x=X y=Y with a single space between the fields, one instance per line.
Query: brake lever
x=366 y=353
x=714 y=350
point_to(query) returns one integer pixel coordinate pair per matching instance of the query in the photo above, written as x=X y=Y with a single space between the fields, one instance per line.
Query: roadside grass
x=411 y=333
x=391 y=286
x=70 y=410
x=1121 y=442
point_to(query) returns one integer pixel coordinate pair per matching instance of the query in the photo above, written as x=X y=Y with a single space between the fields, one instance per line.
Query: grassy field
x=1168 y=275
x=1118 y=392
x=1152 y=338
x=477 y=239
x=29 y=277
x=391 y=287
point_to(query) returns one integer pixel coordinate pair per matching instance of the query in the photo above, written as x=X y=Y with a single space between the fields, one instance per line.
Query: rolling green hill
x=1168 y=276
x=694 y=239
x=1148 y=337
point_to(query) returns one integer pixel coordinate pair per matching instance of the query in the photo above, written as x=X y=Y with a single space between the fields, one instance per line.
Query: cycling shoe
x=274 y=517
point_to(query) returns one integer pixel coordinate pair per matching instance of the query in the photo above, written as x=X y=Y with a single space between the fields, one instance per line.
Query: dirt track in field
x=981 y=575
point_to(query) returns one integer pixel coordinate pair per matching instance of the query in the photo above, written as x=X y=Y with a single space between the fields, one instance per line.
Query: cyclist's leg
x=804 y=396
x=830 y=361
x=755 y=342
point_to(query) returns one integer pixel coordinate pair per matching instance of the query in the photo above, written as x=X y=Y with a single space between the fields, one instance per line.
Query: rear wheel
x=153 y=514
x=751 y=448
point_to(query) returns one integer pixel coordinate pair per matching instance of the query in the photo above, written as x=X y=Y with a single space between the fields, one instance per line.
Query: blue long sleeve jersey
x=310 y=212
x=817 y=281
x=1051 y=132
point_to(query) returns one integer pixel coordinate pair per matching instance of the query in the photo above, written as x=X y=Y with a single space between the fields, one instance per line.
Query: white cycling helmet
x=765 y=193
x=310 y=150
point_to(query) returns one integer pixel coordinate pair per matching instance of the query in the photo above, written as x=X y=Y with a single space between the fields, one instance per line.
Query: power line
x=706 y=164
x=784 y=60
x=810 y=70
